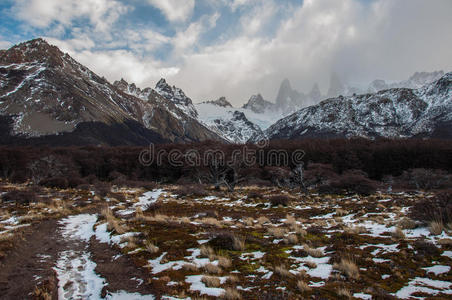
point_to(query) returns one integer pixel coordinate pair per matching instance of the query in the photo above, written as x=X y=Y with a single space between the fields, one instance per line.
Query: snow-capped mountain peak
x=177 y=96
x=258 y=104
x=222 y=102
x=392 y=113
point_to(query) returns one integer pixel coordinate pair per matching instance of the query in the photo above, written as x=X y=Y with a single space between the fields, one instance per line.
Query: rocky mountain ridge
x=48 y=96
x=393 y=113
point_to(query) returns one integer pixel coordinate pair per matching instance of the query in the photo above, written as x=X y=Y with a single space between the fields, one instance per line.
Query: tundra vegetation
x=348 y=232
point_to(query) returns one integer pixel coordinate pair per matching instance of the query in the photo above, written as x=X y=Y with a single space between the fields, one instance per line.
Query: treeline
x=380 y=160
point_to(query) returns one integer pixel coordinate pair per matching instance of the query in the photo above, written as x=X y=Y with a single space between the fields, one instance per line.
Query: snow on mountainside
x=177 y=96
x=393 y=113
x=236 y=125
x=258 y=105
x=222 y=102
x=416 y=81
x=48 y=97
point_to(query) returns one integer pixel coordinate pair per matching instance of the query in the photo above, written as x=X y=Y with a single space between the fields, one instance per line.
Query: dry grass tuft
x=343 y=292
x=263 y=220
x=190 y=267
x=150 y=247
x=159 y=218
x=299 y=230
x=282 y=271
x=224 y=262
x=233 y=279
x=207 y=251
x=248 y=221
x=231 y=294
x=303 y=286
x=184 y=220
x=436 y=227
x=212 y=222
x=310 y=264
x=355 y=230
x=291 y=239
x=398 y=234
x=277 y=232
x=238 y=243
x=139 y=214
x=348 y=268
x=212 y=269
x=290 y=220
x=211 y=281
x=407 y=223
x=317 y=253
x=341 y=212
x=41 y=293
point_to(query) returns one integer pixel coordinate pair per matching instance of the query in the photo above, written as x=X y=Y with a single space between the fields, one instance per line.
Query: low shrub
x=352 y=181
x=55 y=182
x=318 y=174
x=254 y=195
x=425 y=248
x=277 y=200
x=84 y=187
x=75 y=181
x=227 y=241
x=102 y=188
x=423 y=179
x=196 y=190
x=20 y=197
x=437 y=208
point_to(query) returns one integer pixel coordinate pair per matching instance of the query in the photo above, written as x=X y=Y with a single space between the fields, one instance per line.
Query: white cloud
x=4 y=44
x=44 y=13
x=361 y=41
x=185 y=41
x=116 y=64
x=235 y=4
x=175 y=10
x=252 y=22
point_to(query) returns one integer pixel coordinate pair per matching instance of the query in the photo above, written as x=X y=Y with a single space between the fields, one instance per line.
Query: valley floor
x=162 y=245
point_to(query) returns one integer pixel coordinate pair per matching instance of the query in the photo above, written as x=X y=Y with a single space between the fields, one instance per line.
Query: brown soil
x=21 y=266
x=29 y=265
x=120 y=271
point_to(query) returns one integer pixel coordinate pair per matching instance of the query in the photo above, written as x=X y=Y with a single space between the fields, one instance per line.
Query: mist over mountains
x=48 y=97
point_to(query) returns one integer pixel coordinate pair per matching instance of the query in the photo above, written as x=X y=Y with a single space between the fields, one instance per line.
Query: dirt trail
x=84 y=266
x=31 y=261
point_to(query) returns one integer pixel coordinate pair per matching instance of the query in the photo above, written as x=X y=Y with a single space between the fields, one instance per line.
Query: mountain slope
x=45 y=94
x=394 y=113
x=236 y=125
x=258 y=105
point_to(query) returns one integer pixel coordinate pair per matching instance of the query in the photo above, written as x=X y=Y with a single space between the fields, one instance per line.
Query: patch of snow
x=424 y=285
x=197 y=285
x=437 y=269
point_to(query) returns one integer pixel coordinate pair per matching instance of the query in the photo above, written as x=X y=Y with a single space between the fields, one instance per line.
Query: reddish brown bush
x=20 y=197
x=55 y=182
x=196 y=190
x=226 y=241
x=102 y=188
x=277 y=200
x=425 y=179
x=353 y=181
x=255 y=195
x=319 y=174
x=438 y=208
x=75 y=181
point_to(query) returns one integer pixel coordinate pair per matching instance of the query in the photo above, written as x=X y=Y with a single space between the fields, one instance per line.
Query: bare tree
x=297 y=176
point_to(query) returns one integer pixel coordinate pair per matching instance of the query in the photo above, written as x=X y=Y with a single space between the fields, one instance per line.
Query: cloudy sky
x=237 y=48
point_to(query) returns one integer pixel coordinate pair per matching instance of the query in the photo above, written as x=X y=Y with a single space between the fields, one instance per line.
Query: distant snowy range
x=47 y=97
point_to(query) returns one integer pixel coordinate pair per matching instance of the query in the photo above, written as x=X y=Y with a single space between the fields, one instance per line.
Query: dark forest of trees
x=379 y=160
